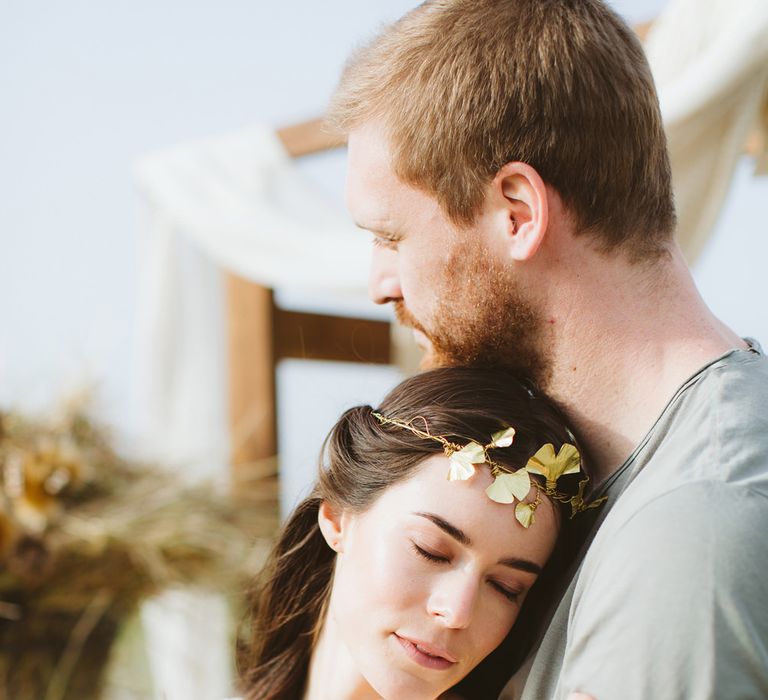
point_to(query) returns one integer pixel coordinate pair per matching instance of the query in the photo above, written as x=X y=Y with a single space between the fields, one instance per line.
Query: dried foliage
x=86 y=535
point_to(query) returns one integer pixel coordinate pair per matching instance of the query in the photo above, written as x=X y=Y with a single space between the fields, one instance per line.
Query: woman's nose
x=453 y=600
x=384 y=280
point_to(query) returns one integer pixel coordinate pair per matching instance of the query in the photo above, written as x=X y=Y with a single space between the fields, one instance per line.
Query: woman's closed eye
x=429 y=555
x=510 y=594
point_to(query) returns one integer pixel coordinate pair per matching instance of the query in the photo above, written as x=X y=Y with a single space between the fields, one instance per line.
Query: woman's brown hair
x=360 y=459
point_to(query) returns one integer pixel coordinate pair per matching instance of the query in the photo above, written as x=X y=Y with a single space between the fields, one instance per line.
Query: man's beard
x=481 y=319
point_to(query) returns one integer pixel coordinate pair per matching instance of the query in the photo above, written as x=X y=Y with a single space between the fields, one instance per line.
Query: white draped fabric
x=241 y=199
x=182 y=408
x=710 y=62
x=238 y=203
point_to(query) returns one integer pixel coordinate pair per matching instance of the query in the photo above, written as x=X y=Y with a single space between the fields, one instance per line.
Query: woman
x=391 y=580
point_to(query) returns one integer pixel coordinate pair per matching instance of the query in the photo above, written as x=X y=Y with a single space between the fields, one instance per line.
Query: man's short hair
x=465 y=86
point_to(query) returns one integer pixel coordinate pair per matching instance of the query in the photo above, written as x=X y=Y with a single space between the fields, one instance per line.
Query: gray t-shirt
x=671 y=599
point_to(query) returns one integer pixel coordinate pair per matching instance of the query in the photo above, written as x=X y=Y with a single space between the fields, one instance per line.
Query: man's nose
x=384 y=280
x=453 y=600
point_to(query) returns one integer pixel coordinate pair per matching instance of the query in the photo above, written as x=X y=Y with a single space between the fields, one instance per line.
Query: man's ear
x=522 y=199
x=332 y=522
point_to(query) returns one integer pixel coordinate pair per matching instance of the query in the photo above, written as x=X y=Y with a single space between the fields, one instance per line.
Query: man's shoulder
x=716 y=430
x=684 y=543
x=737 y=380
x=739 y=376
x=738 y=420
x=678 y=586
x=673 y=579
x=700 y=519
x=703 y=474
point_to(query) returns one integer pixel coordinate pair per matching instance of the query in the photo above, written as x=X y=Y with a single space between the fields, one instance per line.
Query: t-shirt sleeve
x=676 y=603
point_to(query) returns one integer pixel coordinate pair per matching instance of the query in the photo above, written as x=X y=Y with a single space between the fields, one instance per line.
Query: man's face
x=452 y=285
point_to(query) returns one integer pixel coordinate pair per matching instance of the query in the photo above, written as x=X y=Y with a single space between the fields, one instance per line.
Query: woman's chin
x=392 y=689
x=397 y=681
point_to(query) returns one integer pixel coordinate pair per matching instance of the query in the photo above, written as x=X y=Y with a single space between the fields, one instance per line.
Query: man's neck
x=618 y=358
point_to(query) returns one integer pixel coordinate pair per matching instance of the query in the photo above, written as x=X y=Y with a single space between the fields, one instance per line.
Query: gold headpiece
x=510 y=485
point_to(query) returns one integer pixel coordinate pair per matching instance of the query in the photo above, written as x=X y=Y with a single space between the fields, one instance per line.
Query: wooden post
x=309 y=137
x=252 y=375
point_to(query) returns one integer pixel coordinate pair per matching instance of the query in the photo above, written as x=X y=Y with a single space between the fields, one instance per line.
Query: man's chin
x=429 y=361
x=422 y=341
x=432 y=357
x=432 y=354
x=429 y=358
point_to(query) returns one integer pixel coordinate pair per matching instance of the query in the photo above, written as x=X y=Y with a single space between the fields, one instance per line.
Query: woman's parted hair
x=361 y=458
x=465 y=86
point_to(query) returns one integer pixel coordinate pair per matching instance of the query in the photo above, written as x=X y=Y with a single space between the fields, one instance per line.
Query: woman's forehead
x=487 y=525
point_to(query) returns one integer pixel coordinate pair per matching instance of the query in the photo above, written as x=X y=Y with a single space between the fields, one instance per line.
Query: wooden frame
x=260 y=334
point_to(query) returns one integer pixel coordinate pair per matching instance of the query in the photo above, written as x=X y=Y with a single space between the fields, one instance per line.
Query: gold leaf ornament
x=506 y=488
x=462 y=462
x=551 y=466
x=502 y=438
x=578 y=504
x=524 y=513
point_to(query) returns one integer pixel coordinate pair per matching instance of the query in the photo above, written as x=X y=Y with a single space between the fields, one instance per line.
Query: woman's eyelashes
x=430 y=556
x=510 y=594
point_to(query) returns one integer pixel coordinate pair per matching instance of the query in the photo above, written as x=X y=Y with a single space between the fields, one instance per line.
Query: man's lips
x=423 y=341
x=426 y=654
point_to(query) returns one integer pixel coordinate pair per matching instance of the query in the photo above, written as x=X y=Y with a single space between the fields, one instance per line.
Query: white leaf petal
x=506 y=488
x=503 y=438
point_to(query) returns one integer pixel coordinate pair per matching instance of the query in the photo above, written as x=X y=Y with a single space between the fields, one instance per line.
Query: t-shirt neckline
x=615 y=481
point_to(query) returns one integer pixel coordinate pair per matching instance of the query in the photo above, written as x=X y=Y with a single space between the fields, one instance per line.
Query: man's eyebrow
x=445 y=526
x=460 y=536
x=378 y=227
x=371 y=228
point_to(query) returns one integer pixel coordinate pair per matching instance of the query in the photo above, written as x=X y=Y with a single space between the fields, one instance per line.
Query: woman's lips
x=425 y=654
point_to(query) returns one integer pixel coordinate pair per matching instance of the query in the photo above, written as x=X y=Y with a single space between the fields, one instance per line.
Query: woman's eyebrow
x=445 y=526
x=521 y=565
x=460 y=536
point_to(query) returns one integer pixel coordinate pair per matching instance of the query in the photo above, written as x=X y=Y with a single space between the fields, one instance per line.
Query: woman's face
x=430 y=579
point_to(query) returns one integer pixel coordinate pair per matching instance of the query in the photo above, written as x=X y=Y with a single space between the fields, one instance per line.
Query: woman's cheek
x=382 y=570
x=395 y=572
x=493 y=622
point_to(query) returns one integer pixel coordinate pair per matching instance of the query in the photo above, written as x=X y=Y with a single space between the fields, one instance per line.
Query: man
x=509 y=158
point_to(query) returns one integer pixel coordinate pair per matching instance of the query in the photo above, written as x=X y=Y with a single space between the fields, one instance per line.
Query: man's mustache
x=429 y=359
x=405 y=318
